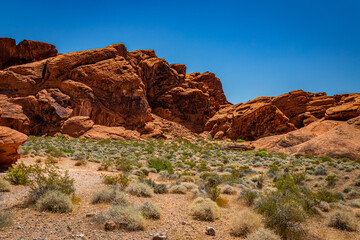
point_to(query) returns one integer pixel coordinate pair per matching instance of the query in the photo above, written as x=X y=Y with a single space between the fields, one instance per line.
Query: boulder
x=10 y=140
x=76 y=126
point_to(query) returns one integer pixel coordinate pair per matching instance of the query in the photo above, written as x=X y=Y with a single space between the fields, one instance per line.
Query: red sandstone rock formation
x=113 y=93
x=10 y=140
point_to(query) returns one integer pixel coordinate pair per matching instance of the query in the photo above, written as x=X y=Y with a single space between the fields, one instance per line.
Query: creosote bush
x=204 y=209
x=244 y=223
x=150 y=210
x=343 y=221
x=161 y=164
x=54 y=201
x=18 y=175
x=140 y=189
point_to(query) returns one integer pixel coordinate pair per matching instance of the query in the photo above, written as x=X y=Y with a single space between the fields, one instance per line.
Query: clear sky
x=256 y=47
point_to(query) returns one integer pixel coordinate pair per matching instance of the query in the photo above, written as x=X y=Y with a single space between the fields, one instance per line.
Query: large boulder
x=10 y=140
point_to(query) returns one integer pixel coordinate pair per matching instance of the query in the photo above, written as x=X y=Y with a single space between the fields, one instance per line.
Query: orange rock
x=76 y=126
x=10 y=140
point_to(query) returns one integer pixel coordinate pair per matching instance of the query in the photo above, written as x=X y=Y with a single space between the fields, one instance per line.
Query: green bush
x=120 y=179
x=326 y=196
x=161 y=164
x=54 y=201
x=49 y=177
x=248 y=196
x=262 y=153
x=331 y=179
x=18 y=175
x=160 y=188
x=124 y=165
x=212 y=188
x=150 y=210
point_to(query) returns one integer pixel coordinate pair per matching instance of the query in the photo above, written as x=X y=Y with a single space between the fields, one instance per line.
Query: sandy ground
x=29 y=223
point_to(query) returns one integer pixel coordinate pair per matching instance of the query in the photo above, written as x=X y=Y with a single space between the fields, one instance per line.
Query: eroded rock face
x=267 y=116
x=110 y=86
x=25 y=52
x=10 y=140
x=112 y=93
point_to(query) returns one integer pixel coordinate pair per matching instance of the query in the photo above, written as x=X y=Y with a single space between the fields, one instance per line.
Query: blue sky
x=257 y=48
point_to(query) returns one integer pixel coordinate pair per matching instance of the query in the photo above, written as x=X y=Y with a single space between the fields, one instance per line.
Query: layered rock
x=10 y=140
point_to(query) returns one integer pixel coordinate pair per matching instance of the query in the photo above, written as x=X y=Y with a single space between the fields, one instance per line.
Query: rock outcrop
x=267 y=116
x=25 y=52
x=338 y=139
x=10 y=140
x=113 y=93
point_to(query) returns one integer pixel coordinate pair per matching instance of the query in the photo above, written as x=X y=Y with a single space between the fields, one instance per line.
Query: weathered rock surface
x=268 y=116
x=25 y=52
x=112 y=93
x=10 y=140
x=338 y=139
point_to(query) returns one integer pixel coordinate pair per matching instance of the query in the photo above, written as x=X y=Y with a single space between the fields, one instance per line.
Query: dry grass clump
x=178 y=189
x=55 y=201
x=204 y=209
x=127 y=218
x=263 y=234
x=4 y=219
x=150 y=210
x=5 y=186
x=140 y=189
x=343 y=221
x=244 y=223
x=227 y=189
x=112 y=195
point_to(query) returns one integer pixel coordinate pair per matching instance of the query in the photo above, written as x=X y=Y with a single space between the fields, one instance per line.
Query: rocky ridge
x=115 y=93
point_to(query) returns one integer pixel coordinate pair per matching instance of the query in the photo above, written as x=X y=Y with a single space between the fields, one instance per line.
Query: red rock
x=77 y=126
x=10 y=140
x=116 y=133
x=25 y=52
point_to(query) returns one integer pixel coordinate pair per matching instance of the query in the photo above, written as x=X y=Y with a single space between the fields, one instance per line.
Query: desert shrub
x=331 y=179
x=327 y=196
x=160 y=188
x=227 y=189
x=357 y=213
x=357 y=182
x=124 y=165
x=18 y=175
x=343 y=221
x=161 y=164
x=244 y=223
x=324 y=206
x=282 y=211
x=212 y=188
x=81 y=162
x=347 y=189
x=263 y=234
x=150 y=210
x=352 y=193
x=5 y=186
x=120 y=179
x=204 y=209
x=140 y=189
x=189 y=186
x=262 y=153
x=298 y=177
x=222 y=202
x=319 y=170
x=355 y=204
x=127 y=218
x=54 y=201
x=178 y=189
x=49 y=177
x=113 y=195
x=248 y=196
x=185 y=178
x=4 y=219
